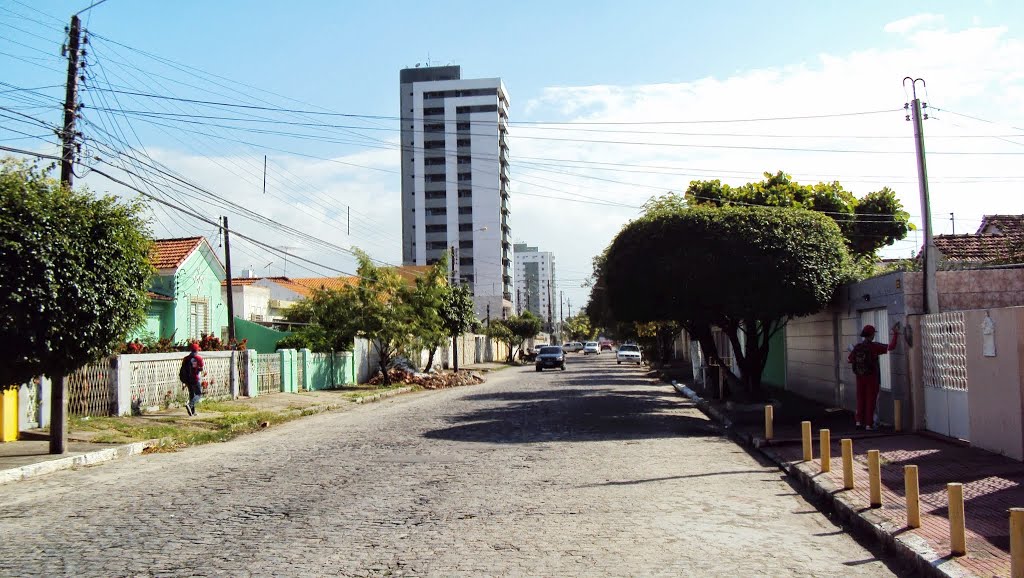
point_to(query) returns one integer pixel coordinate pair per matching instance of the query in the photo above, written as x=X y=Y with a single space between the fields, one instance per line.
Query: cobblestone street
x=593 y=471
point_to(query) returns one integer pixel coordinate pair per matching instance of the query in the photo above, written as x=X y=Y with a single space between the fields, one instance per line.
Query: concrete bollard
x=875 y=478
x=805 y=427
x=913 y=496
x=897 y=415
x=1017 y=542
x=957 y=531
x=847 y=445
x=769 y=422
x=825 y=448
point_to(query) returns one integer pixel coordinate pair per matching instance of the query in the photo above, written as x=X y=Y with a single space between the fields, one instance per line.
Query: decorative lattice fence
x=944 y=345
x=268 y=373
x=92 y=390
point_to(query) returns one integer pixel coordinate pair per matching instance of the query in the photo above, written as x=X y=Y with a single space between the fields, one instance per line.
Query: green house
x=185 y=295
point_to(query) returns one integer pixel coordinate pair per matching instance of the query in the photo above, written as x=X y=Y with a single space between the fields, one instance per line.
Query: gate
x=944 y=352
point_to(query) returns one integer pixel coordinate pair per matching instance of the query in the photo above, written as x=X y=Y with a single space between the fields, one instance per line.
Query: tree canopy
x=76 y=271
x=515 y=330
x=745 y=269
x=869 y=223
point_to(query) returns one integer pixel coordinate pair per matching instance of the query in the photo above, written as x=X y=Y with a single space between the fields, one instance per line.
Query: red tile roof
x=158 y=297
x=305 y=285
x=1002 y=224
x=171 y=253
x=987 y=248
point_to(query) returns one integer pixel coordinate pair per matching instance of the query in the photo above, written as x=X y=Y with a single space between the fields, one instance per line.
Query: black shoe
x=189 y=409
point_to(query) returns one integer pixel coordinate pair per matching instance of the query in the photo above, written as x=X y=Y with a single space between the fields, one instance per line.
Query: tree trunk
x=430 y=359
x=455 y=353
x=58 y=415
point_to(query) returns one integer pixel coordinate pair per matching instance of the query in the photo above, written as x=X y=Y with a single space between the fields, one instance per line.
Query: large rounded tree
x=76 y=270
x=745 y=269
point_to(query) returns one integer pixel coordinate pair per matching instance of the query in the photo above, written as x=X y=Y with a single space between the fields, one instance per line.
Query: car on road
x=629 y=354
x=572 y=347
x=550 y=357
x=606 y=346
x=591 y=347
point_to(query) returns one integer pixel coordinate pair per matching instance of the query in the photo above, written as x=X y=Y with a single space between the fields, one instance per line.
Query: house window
x=198 y=317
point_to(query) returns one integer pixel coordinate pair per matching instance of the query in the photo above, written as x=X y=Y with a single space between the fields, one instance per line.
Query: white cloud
x=971 y=71
x=905 y=25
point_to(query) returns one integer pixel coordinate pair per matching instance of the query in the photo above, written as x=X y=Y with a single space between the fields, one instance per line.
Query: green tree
x=578 y=328
x=458 y=315
x=745 y=269
x=429 y=296
x=514 y=331
x=874 y=221
x=327 y=315
x=75 y=273
x=383 y=312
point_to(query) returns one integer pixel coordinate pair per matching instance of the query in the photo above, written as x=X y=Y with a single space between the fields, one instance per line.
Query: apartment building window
x=462 y=126
x=435 y=194
x=437 y=228
x=465 y=226
x=465 y=193
x=433 y=161
x=465 y=176
x=433 y=127
x=466 y=260
x=462 y=142
x=478 y=108
x=434 y=245
x=436 y=178
x=438 y=211
x=433 y=144
x=465 y=159
x=465 y=210
x=467 y=244
x=433 y=110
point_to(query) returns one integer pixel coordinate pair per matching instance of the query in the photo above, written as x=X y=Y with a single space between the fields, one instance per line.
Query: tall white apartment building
x=536 y=290
x=455 y=180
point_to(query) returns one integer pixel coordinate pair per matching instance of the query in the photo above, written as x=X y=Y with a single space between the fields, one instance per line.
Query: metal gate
x=944 y=349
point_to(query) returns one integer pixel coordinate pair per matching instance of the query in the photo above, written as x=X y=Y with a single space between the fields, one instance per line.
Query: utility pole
x=59 y=386
x=952 y=222
x=488 y=314
x=452 y=254
x=231 y=299
x=931 y=288
x=561 y=313
x=551 y=325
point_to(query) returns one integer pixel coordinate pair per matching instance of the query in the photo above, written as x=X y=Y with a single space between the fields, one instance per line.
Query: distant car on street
x=606 y=346
x=572 y=347
x=628 y=353
x=591 y=347
x=550 y=357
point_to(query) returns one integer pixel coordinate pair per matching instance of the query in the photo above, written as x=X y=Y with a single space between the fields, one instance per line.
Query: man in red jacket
x=194 y=384
x=864 y=359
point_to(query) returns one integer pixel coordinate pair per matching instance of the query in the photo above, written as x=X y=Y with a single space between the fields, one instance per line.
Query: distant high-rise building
x=536 y=290
x=455 y=180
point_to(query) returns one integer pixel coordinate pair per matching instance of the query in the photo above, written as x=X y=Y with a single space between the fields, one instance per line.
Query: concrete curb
x=86 y=459
x=382 y=395
x=911 y=550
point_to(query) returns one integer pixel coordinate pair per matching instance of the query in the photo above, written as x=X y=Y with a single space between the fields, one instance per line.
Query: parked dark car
x=550 y=357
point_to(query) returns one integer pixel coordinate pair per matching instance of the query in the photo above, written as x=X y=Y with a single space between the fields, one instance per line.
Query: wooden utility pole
x=58 y=384
x=931 y=287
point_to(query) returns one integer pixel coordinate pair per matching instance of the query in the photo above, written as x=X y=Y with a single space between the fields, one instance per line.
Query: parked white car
x=572 y=347
x=628 y=353
x=591 y=347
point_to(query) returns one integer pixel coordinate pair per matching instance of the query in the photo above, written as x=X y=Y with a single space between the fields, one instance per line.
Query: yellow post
x=805 y=427
x=875 y=478
x=825 y=448
x=8 y=414
x=769 y=425
x=957 y=532
x=847 y=445
x=913 y=497
x=897 y=415
x=1017 y=542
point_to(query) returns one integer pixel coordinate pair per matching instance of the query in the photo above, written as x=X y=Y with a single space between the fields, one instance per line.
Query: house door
x=880 y=319
x=944 y=352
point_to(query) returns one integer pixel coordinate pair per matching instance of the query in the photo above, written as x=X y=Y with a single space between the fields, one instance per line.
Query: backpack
x=862 y=362
x=185 y=373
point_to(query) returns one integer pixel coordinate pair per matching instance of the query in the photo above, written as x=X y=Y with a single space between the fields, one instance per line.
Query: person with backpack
x=190 y=375
x=864 y=359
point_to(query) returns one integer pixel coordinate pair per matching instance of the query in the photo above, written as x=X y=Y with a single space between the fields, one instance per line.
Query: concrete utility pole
x=231 y=298
x=931 y=288
x=561 y=313
x=59 y=387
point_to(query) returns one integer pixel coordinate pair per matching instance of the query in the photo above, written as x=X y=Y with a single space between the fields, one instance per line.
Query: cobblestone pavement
x=593 y=471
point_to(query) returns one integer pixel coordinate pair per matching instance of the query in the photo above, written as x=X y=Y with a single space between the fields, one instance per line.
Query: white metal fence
x=944 y=357
x=268 y=373
x=91 y=389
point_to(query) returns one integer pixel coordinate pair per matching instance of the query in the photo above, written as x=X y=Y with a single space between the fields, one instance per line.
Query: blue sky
x=589 y=61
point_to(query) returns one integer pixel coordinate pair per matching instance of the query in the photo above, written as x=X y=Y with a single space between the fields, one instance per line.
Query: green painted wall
x=200 y=276
x=260 y=338
x=775 y=369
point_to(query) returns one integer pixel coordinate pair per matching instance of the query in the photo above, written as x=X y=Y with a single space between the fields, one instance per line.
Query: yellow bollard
x=897 y=415
x=957 y=532
x=825 y=448
x=875 y=479
x=847 y=445
x=805 y=427
x=769 y=425
x=913 y=496
x=1017 y=542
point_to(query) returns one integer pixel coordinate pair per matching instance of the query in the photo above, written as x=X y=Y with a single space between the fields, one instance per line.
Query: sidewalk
x=29 y=456
x=992 y=483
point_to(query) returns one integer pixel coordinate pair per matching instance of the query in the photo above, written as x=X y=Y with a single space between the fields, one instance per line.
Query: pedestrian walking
x=191 y=376
x=864 y=359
